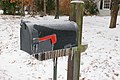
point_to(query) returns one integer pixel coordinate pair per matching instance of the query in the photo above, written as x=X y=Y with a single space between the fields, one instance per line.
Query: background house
x=104 y=7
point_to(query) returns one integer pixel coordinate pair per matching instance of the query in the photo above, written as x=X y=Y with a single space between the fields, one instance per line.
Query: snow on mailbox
x=45 y=35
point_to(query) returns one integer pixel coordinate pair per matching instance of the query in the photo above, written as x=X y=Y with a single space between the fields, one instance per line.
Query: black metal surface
x=54 y=68
x=65 y=31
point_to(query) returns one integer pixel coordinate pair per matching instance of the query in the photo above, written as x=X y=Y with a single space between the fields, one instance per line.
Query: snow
x=77 y=1
x=1 y=11
x=101 y=61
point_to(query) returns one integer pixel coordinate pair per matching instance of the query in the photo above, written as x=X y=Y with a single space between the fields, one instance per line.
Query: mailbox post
x=76 y=15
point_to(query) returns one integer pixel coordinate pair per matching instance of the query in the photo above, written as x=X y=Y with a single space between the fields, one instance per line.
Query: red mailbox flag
x=52 y=37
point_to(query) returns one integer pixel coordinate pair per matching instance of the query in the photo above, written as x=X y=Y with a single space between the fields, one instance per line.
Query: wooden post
x=74 y=64
x=70 y=57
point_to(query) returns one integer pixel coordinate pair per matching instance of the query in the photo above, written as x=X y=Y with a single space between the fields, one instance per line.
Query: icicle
x=45 y=55
x=59 y=53
x=48 y=55
x=64 y=51
x=73 y=51
x=39 y=56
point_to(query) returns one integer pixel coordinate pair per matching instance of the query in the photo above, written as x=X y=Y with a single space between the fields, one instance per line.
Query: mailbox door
x=25 y=39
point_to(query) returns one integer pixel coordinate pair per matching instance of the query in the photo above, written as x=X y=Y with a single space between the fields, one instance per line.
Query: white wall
x=103 y=12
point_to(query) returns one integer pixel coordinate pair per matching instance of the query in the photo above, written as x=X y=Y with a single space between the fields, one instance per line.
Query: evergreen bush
x=90 y=8
x=10 y=8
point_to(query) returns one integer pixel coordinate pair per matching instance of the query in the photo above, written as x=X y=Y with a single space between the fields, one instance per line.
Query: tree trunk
x=114 y=13
x=45 y=6
x=4 y=9
x=34 y=12
x=22 y=12
x=56 y=9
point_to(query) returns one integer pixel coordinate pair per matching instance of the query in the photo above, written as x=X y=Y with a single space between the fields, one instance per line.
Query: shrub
x=64 y=7
x=10 y=7
x=90 y=8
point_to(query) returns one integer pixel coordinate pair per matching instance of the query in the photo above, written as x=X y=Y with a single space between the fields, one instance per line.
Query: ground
x=101 y=61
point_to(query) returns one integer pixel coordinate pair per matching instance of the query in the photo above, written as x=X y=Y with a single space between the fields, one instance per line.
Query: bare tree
x=34 y=6
x=44 y=6
x=22 y=11
x=114 y=13
x=56 y=9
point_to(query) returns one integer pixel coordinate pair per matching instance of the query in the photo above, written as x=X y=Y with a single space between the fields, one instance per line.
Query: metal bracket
x=81 y=48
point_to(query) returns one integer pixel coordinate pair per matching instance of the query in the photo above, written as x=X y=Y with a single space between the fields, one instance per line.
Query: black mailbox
x=45 y=35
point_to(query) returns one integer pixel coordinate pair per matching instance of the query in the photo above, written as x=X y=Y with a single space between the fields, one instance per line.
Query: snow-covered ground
x=101 y=61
